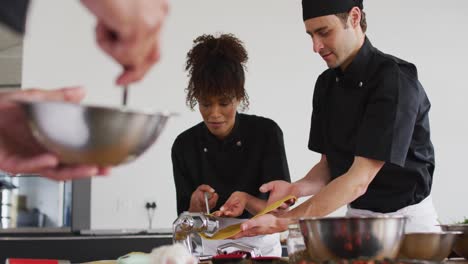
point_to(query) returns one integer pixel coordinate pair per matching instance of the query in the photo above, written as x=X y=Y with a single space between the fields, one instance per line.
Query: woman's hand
x=234 y=206
x=197 y=201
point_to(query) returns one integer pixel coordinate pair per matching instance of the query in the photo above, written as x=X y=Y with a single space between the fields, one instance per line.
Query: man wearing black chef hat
x=370 y=123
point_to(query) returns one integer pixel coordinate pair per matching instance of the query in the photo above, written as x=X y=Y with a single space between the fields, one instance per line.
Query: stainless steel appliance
x=6 y=204
x=188 y=227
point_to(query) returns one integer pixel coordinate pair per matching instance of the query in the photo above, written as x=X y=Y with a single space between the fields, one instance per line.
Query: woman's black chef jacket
x=376 y=109
x=250 y=156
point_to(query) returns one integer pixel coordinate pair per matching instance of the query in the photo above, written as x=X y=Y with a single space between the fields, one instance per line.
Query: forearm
x=330 y=198
x=314 y=180
x=341 y=191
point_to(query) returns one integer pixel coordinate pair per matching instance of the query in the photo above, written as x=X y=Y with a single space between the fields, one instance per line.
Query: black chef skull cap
x=317 y=8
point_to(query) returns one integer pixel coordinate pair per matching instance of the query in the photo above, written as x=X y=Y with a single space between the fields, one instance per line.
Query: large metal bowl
x=81 y=134
x=461 y=245
x=434 y=246
x=337 y=238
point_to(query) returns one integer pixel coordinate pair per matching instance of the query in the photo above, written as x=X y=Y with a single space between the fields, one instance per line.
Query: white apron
x=269 y=245
x=421 y=217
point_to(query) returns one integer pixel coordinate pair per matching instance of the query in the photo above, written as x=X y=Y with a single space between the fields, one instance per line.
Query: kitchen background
x=60 y=50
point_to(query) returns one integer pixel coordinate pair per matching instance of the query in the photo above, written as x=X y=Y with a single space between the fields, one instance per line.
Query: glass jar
x=296 y=247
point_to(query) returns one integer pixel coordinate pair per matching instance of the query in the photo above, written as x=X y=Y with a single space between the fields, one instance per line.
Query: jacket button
x=205 y=150
x=360 y=84
x=238 y=143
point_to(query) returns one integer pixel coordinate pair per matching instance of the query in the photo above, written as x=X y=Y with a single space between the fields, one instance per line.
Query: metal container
x=297 y=252
x=337 y=238
x=434 y=246
x=7 y=208
x=461 y=244
x=104 y=136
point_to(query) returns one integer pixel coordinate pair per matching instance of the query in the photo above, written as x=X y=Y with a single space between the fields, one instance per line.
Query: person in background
x=129 y=31
x=20 y=152
x=229 y=155
x=370 y=123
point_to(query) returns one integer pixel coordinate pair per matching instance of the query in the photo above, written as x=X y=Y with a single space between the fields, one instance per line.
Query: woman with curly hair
x=229 y=155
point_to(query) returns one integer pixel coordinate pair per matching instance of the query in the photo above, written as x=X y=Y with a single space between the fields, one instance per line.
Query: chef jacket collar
x=356 y=72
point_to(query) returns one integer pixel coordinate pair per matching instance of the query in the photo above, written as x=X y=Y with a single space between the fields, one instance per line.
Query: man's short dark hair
x=344 y=18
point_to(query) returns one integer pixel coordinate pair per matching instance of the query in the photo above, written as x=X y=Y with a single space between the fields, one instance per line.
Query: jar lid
x=293 y=226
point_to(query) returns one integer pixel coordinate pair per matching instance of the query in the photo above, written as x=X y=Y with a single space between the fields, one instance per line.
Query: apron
x=268 y=245
x=421 y=217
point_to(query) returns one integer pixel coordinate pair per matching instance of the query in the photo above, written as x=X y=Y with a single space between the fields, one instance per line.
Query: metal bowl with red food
x=338 y=238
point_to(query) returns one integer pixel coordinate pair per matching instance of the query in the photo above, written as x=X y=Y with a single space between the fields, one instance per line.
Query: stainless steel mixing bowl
x=461 y=245
x=81 y=134
x=434 y=246
x=335 y=238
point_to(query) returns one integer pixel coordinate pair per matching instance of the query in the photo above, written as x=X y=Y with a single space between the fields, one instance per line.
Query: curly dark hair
x=215 y=66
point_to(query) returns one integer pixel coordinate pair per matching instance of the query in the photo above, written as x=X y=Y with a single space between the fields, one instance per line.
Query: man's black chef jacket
x=376 y=109
x=253 y=154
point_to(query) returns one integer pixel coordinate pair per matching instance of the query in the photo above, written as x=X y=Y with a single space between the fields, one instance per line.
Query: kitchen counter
x=448 y=261
x=34 y=231
x=456 y=261
x=79 y=248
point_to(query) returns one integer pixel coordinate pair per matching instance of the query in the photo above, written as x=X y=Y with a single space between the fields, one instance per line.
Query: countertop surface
x=447 y=261
x=67 y=234
x=456 y=261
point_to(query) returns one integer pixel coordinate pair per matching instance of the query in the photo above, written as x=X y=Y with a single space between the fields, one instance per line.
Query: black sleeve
x=274 y=163
x=182 y=181
x=387 y=128
x=316 y=137
x=13 y=14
